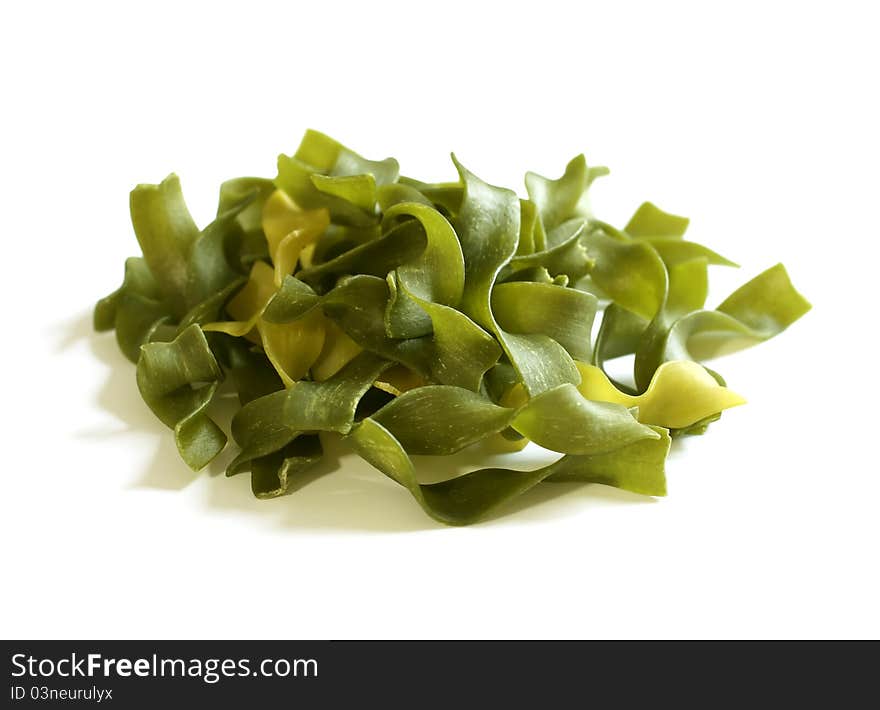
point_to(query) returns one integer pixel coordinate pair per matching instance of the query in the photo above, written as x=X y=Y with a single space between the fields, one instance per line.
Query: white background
x=759 y=121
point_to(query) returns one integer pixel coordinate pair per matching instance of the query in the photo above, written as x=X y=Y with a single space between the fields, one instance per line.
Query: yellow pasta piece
x=292 y=348
x=681 y=393
x=399 y=379
x=339 y=349
x=289 y=230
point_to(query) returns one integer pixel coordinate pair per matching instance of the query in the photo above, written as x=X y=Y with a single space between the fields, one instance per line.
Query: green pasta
x=419 y=318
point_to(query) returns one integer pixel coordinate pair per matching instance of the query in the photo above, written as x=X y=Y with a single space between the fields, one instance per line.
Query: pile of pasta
x=418 y=318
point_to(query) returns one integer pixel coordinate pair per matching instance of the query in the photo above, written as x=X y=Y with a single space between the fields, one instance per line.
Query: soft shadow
x=77 y=329
x=119 y=396
x=342 y=493
x=551 y=501
x=166 y=471
x=330 y=496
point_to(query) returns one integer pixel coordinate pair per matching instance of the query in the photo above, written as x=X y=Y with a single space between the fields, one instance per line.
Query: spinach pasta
x=419 y=318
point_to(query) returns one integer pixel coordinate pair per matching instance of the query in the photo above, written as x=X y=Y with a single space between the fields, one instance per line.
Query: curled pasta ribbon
x=681 y=393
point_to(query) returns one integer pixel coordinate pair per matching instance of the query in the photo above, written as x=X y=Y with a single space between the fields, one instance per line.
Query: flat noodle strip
x=476 y=495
